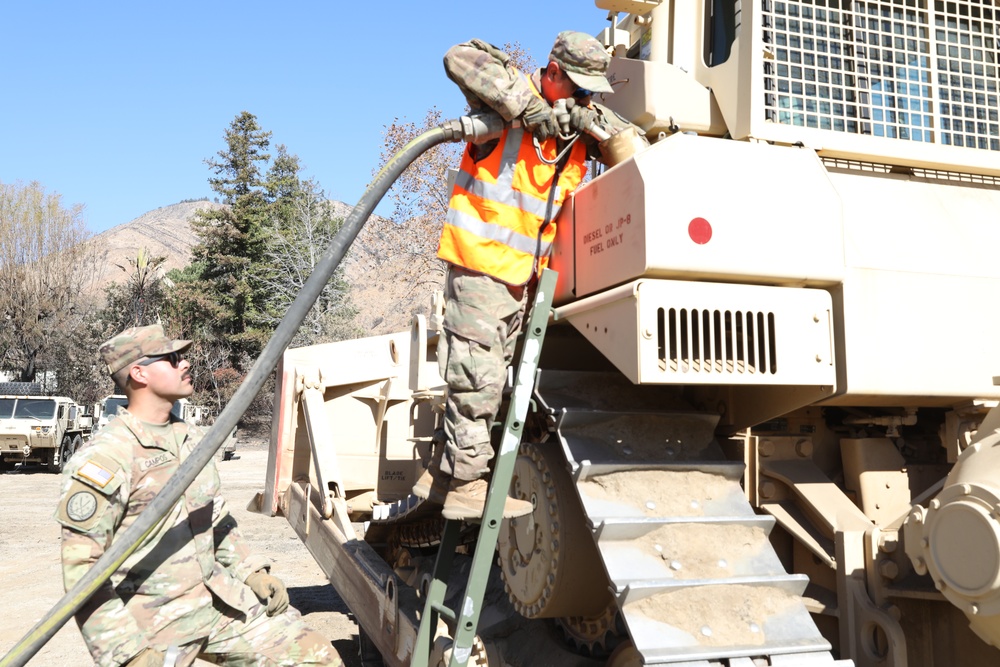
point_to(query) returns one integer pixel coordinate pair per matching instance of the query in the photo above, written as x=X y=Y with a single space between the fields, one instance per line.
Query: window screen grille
x=913 y=70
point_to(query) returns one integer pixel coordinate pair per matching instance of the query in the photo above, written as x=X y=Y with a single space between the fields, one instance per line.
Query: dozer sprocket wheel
x=594 y=636
x=548 y=560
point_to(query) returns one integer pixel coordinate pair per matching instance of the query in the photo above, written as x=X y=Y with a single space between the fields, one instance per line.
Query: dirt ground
x=31 y=579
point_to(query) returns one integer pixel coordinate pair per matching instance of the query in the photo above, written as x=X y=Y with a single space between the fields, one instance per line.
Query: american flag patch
x=95 y=473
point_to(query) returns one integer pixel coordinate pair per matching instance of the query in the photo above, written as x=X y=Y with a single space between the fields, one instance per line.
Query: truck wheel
x=63 y=453
x=77 y=443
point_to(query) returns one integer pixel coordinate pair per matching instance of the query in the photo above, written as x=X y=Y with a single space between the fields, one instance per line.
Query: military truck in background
x=200 y=415
x=106 y=409
x=46 y=430
x=189 y=412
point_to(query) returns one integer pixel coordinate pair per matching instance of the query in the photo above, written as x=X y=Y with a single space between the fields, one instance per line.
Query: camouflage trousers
x=259 y=640
x=482 y=319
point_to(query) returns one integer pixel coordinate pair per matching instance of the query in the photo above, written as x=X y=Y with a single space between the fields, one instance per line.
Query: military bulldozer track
x=642 y=547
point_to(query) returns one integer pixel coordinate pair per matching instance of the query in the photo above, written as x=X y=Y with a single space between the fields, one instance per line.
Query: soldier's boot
x=432 y=485
x=467 y=500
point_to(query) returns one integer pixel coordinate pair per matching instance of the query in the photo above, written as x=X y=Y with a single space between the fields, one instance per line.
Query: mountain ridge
x=383 y=289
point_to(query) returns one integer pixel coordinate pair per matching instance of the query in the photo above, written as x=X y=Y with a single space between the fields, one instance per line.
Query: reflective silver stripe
x=503 y=194
x=503 y=191
x=508 y=158
x=494 y=232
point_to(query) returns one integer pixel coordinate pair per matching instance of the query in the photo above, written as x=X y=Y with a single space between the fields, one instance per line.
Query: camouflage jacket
x=163 y=592
x=488 y=80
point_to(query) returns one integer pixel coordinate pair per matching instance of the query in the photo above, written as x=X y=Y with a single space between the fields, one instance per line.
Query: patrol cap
x=136 y=344
x=584 y=59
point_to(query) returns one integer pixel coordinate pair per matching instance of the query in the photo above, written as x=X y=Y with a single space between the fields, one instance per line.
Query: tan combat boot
x=432 y=485
x=467 y=500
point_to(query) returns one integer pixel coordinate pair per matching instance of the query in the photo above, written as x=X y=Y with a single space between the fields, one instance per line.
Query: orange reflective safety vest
x=502 y=209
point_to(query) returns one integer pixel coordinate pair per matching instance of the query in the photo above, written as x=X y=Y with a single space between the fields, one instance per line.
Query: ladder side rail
x=503 y=470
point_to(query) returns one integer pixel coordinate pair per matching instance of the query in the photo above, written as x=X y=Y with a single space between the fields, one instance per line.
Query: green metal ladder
x=466 y=619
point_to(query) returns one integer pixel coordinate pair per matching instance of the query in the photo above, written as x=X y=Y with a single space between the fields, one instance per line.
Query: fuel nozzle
x=475 y=128
x=614 y=148
x=562 y=111
x=482 y=126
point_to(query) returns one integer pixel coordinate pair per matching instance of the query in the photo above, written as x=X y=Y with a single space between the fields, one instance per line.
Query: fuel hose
x=475 y=128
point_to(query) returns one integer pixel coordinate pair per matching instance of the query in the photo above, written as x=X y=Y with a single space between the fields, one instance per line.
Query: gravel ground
x=31 y=579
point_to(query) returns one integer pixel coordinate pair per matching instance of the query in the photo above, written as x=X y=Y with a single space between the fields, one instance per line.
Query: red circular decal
x=700 y=231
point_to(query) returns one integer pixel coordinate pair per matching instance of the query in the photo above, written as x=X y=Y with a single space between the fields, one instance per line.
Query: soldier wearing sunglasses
x=192 y=588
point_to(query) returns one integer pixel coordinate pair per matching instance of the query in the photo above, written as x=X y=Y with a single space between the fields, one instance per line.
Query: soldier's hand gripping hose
x=540 y=119
x=575 y=118
x=562 y=117
x=474 y=128
x=583 y=118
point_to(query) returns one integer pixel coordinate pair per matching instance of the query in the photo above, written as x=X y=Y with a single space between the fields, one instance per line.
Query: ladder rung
x=447 y=612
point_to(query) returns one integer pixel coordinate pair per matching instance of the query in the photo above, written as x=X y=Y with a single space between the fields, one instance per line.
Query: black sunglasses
x=579 y=93
x=174 y=358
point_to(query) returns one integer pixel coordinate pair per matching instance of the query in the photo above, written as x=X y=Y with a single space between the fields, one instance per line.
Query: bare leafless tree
x=210 y=365
x=420 y=196
x=46 y=270
x=420 y=202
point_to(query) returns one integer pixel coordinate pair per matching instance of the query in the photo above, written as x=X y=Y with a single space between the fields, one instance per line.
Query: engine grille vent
x=716 y=341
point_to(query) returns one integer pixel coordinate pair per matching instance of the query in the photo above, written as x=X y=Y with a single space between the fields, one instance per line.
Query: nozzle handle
x=475 y=128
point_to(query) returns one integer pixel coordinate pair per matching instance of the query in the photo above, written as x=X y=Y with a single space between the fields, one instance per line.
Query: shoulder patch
x=95 y=473
x=81 y=507
x=98 y=472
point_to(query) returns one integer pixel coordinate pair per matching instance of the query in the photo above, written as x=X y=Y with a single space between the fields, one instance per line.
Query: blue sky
x=116 y=105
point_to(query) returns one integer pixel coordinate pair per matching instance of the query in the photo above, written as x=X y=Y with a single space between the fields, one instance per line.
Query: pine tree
x=233 y=239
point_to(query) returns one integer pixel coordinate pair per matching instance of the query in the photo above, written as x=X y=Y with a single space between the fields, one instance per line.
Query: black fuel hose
x=467 y=128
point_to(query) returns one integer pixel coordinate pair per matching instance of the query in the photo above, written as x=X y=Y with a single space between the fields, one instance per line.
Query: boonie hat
x=137 y=343
x=583 y=59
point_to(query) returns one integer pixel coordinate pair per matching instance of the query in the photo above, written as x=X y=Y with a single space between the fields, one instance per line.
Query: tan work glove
x=581 y=118
x=269 y=589
x=540 y=119
x=148 y=657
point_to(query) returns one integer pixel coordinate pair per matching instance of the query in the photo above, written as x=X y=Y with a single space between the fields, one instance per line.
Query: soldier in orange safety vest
x=497 y=237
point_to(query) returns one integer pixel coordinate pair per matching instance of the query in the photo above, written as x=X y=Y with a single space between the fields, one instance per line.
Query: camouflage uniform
x=483 y=315
x=184 y=584
x=487 y=79
x=482 y=319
